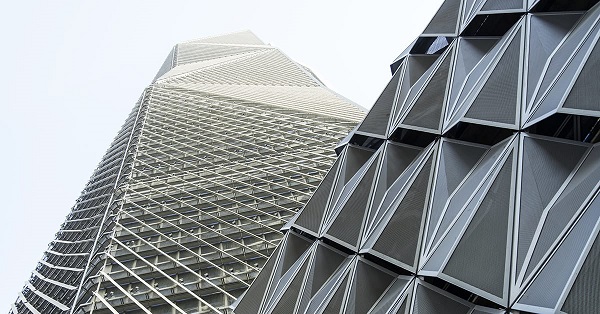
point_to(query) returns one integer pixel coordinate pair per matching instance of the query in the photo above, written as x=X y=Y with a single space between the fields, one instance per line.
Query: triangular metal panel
x=292 y=248
x=583 y=295
x=469 y=52
x=334 y=305
x=488 y=234
x=376 y=121
x=310 y=217
x=585 y=91
x=547 y=287
x=563 y=67
x=346 y=226
x=455 y=161
x=427 y=108
x=283 y=282
x=369 y=282
x=545 y=165
x=398 y=236
x=395 y=193
x=499 y=99
x=396 y=159
x=338 y=280
x=414 y=67
x=357 y=162
x=545 y=32
x=252 y=299
x=435 y=253
x=289 y=297
x=465 y=193
x=556 y=95
x=326 y=261
x=445 y=21
x=478 y=77
x=430 y=299
x=393 y=295
x=559 y=215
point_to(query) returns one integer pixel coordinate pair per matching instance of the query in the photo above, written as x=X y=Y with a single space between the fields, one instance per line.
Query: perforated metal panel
x=252 y=302
x=546 y=165
x=334 y=305
x=586 y=91
x=495 y=5
x=567 y=205
x=347 y=225
x=376 y=121
x=546 y=288
x=368 y=284
x=451 y=226
x=429 y=301
x=445 y=20
x=498 y=99
x=584 y=298
x=564 y=52
x=400 y=236
x=289 y=298
x=312 y=213
x=546 y=32
x=427 y=109
x=455 y=162
x=391 y=295
x=479 y=259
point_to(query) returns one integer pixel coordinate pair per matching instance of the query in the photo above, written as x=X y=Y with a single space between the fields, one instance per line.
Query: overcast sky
x=72 y=71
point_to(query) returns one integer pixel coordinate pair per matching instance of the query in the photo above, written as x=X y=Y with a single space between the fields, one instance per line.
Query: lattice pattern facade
x=226 y=144
x=472 y=184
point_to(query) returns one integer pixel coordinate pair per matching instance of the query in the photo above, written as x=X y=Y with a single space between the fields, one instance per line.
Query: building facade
x=227 y=143
x=472 y=184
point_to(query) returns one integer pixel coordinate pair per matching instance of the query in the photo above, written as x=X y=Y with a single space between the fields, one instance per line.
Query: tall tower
x=226 y=144
x=471 y=186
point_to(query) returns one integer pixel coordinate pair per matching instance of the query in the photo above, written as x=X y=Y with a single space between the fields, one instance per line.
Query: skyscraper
x=472 y=184
x=184 y=209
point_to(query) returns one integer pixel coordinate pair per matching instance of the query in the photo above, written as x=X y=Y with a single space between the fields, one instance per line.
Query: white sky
x=72 y=71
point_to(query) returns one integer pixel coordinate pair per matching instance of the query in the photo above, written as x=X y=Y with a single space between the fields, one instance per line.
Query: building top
x=242 y=66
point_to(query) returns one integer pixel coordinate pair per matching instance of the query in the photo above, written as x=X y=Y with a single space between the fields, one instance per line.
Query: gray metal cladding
x=546 y=31
x=578 y=300
x=353 y=211
x=584 y=93
x=287 y=302
x=335 y=303
x=445 y=21
x=484 y=195
x=369 y=282
x=376 y=121
x=400 y=236
x=392 y=295
x=429 y=301
x=312 y=214
x=498 y=99
x=494 y=5
x=252 y=302
x=479 y=259
x=426 y=110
